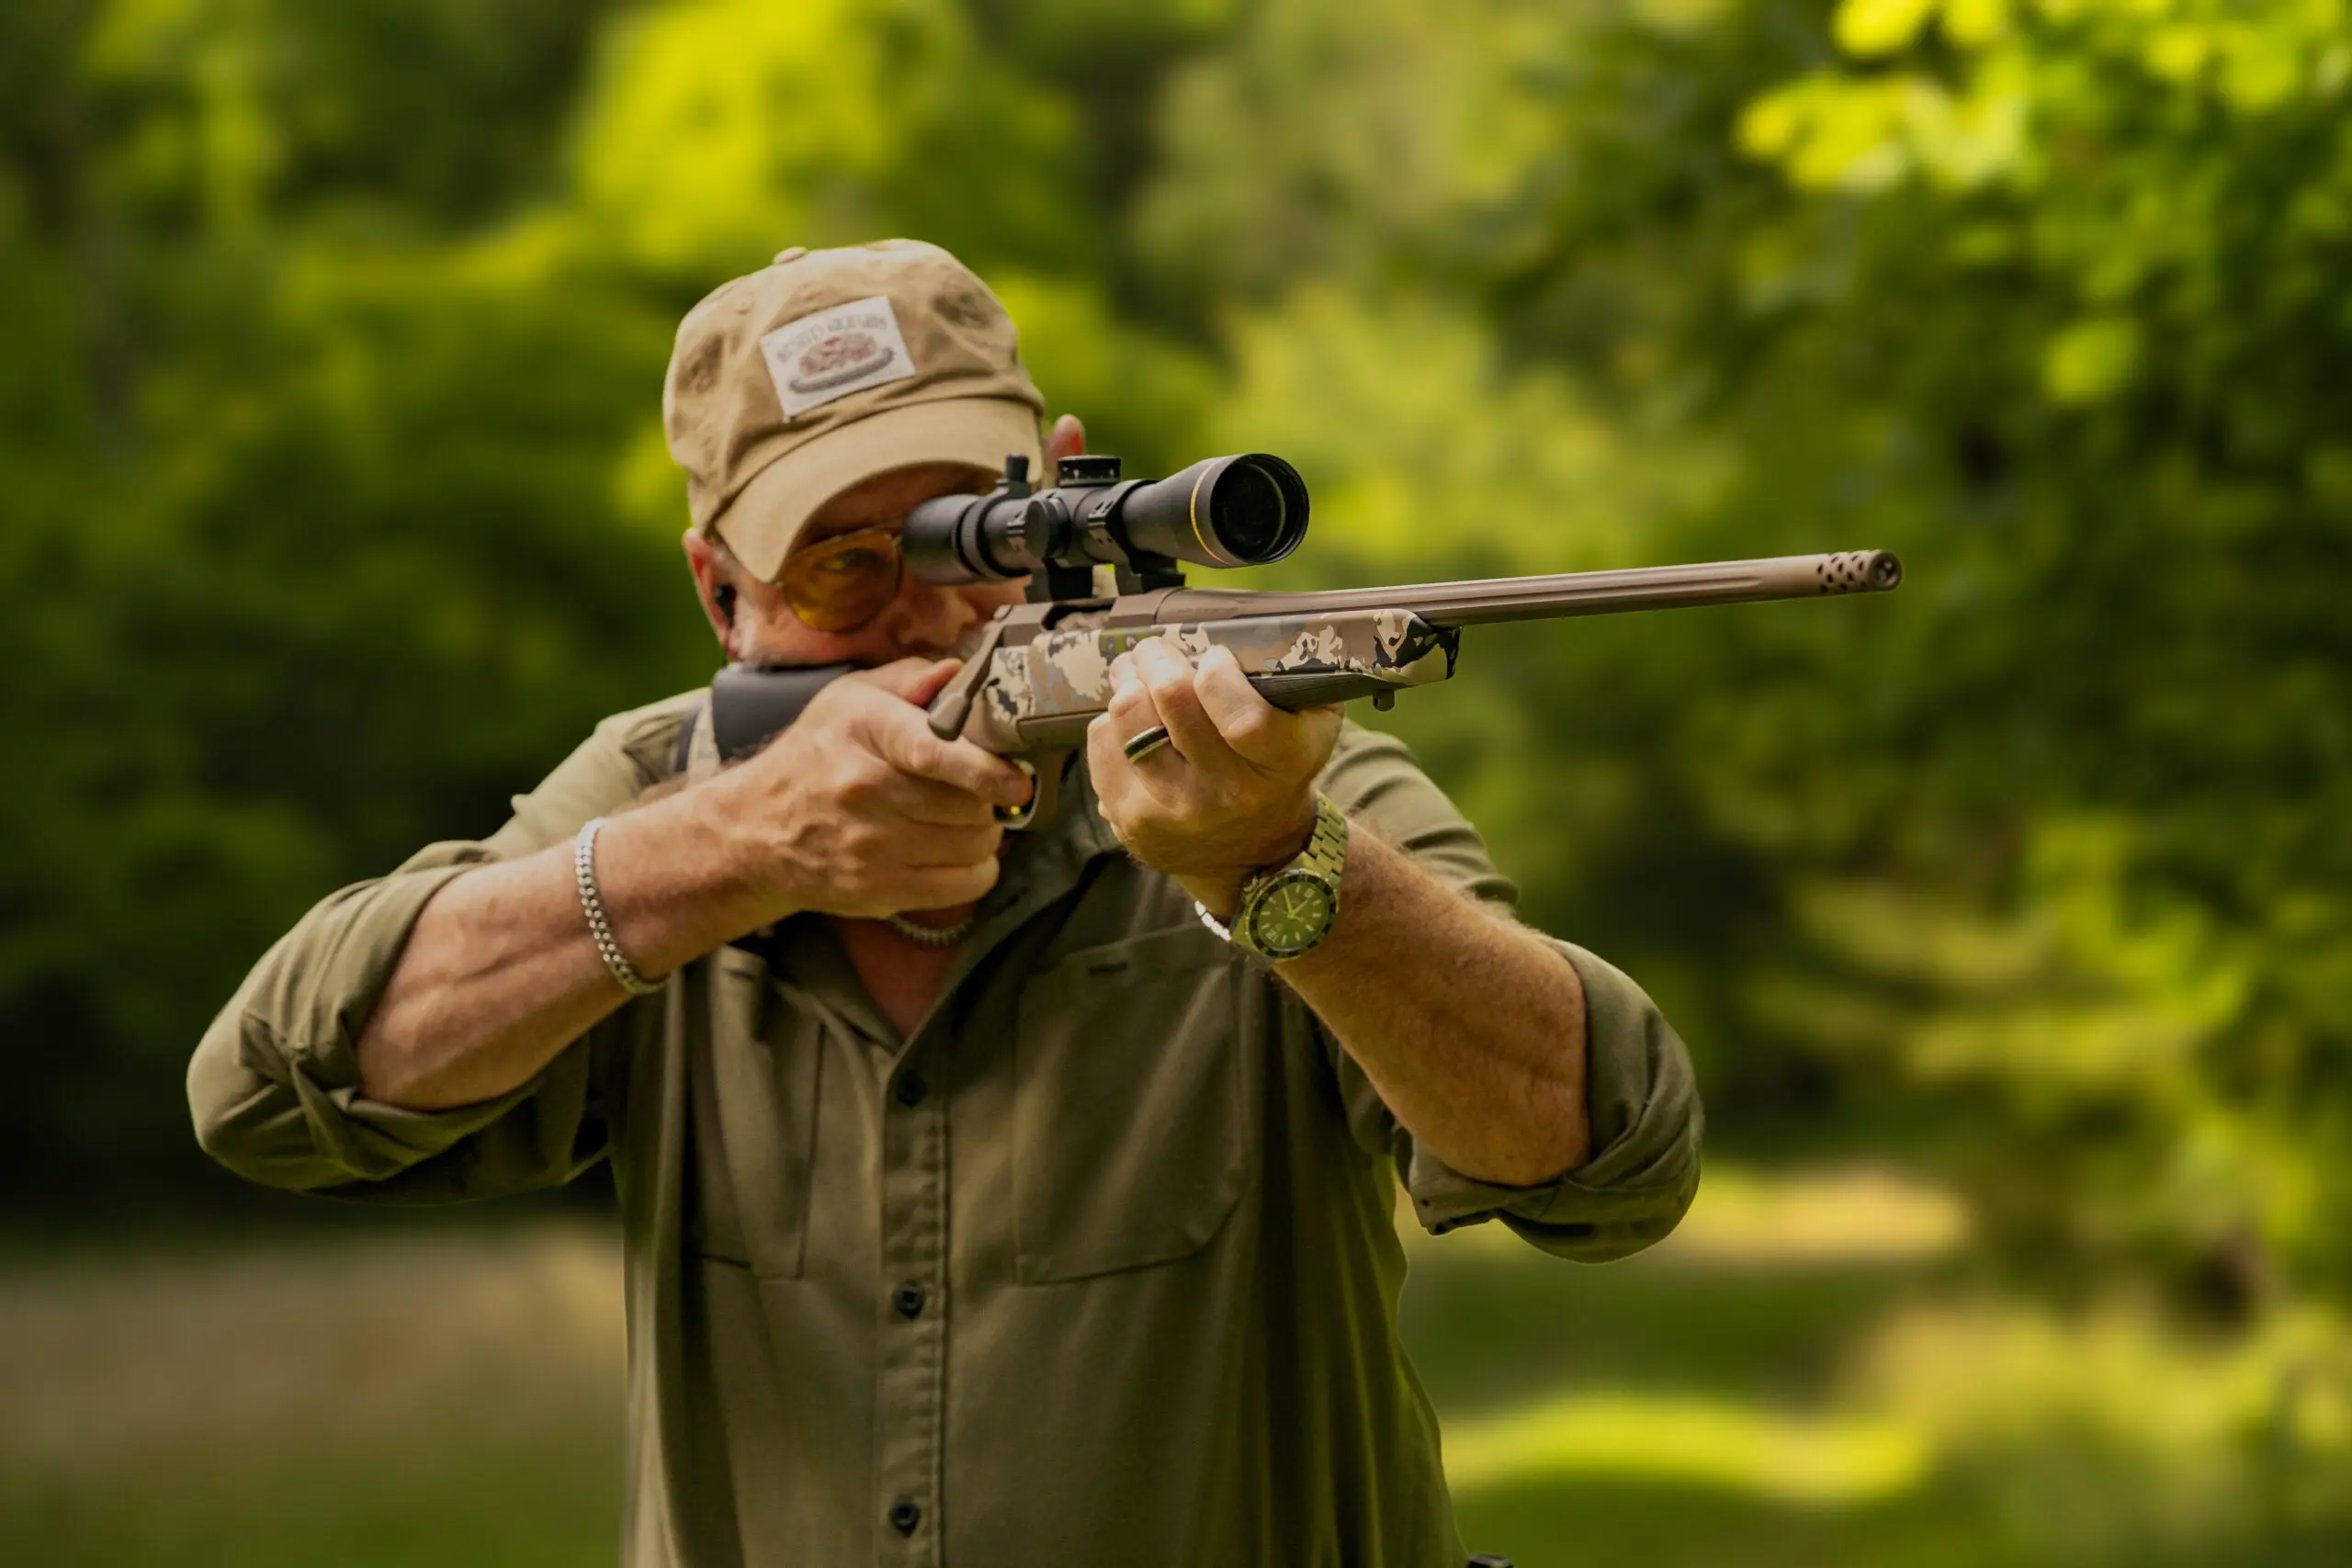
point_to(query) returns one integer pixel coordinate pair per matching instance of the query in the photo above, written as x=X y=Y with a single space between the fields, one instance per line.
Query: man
x=982 y=1203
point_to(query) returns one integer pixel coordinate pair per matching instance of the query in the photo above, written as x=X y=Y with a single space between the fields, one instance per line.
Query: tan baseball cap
x=828 y=367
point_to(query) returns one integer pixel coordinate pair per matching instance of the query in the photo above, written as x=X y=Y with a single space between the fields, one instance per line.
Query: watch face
x=1292 y=914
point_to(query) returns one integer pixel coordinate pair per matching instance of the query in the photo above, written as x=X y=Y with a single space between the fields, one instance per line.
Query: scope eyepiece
x=1243 y=509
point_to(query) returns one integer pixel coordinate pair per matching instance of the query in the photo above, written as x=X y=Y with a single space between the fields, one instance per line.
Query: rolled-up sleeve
x=1642 y=1098
x=274 y=1085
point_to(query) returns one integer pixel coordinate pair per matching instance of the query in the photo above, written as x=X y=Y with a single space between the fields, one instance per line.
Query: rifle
x=1041 y=671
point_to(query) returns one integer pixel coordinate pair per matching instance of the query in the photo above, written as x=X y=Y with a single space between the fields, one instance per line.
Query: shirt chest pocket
x=1130 y=1138
x=753 y=1098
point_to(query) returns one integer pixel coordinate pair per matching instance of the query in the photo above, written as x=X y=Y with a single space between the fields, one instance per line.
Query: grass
x=448 y=1495
x=1786 y=1382
x=433 y=1398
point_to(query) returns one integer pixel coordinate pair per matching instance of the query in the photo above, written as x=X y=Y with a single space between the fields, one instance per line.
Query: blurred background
x=2008 y=915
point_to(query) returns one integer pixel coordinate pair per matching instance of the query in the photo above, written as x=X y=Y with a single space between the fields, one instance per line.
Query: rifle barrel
x=1485 y=601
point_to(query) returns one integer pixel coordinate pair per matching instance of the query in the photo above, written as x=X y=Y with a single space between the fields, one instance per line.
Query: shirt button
x=905 y=1515
x=908 y=1299
x=912 y=1088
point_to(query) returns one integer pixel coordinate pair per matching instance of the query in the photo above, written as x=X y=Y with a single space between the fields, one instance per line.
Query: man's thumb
x=916 y=680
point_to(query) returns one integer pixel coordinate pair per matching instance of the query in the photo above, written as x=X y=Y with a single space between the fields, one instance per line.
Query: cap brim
x=766 y=518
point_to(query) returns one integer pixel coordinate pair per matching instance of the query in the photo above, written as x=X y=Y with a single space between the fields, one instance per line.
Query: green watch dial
x=1291 y=913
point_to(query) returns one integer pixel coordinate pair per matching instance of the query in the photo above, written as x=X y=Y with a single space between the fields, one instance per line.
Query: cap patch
x=839 y=350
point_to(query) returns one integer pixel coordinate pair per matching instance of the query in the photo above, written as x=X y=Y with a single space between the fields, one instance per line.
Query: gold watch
x=1286 y=910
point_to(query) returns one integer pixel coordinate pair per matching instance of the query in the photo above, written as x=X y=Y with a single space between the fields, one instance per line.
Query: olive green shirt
x=1099 y=1266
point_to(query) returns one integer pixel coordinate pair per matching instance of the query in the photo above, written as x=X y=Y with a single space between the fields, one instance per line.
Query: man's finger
x=1168 y=675
x=1257 y=732
x=1132 y=712
x=1114 y=777
x=1131 y=709
x=903 y=738
x=923 y=847
x=913 y=680
x=919 y=799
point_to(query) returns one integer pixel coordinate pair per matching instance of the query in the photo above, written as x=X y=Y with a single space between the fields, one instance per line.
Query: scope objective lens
x=1245 y=511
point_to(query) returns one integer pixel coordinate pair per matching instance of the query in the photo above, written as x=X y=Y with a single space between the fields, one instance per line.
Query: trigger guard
x=1019 y=816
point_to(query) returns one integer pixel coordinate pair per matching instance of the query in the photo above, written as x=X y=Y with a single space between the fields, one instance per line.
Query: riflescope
x=1243 y=509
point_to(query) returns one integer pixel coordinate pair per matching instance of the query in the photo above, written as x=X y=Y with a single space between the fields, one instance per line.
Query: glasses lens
x=839 y=585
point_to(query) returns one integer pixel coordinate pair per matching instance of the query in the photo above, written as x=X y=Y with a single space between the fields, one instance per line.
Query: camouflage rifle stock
x=1042 y=670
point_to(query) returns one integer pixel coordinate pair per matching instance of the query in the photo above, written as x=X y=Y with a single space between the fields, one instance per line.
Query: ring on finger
x=1145 y=743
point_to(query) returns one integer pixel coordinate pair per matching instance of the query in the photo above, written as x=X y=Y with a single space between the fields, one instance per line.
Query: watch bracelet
x=1330 y=832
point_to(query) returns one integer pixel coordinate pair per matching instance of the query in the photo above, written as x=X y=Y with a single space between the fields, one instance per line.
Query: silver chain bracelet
x=592 y=904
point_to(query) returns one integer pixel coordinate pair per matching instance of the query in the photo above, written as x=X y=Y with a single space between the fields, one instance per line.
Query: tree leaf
x=1867 y=27
x=2090 y=361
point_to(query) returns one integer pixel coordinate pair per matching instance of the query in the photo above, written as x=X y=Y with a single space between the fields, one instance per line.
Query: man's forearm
x=1472 y=1032
x=501 y=973
x=1471 y=1029
x=857 y=810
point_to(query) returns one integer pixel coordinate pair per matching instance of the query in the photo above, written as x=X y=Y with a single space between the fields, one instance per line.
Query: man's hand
x=858 y=809
x=1233 y=790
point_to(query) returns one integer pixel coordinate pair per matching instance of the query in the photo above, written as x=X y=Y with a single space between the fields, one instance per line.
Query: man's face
x=923 y=621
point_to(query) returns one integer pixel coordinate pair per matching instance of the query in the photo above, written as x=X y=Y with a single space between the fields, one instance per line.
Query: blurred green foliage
x=333 y=506
x=336 y=508
x=2070 y=273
